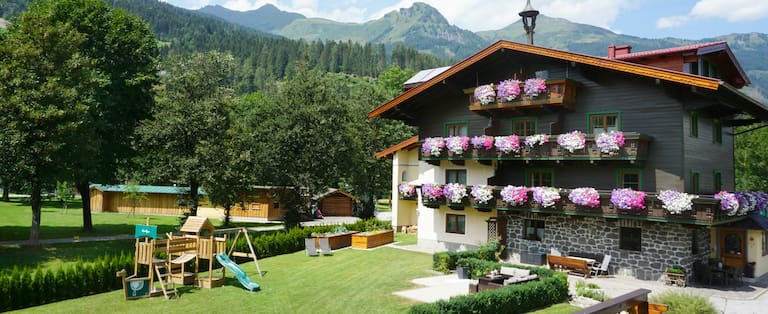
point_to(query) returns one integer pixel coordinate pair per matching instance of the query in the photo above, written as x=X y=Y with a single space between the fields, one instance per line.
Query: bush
x=591 y=290
x=683 y=303
x=520 y=298
x=447 y=260
x=25 y=287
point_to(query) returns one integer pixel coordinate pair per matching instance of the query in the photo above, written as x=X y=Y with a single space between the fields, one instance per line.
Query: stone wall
x=663 y=244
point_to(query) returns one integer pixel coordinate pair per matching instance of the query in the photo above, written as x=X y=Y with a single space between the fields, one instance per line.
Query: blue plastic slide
x=239 y=272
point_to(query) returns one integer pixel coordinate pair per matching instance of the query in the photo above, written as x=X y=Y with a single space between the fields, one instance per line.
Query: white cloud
x=672 y=21
x=730 y=10
x=246 y=5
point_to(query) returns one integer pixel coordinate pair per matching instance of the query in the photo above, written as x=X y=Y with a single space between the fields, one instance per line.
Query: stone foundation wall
x=662 y=244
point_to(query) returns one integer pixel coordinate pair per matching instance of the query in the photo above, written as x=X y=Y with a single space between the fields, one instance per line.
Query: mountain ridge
x=422 y=27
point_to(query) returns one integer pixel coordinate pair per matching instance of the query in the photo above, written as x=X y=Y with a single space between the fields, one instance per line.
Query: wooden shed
x=336 y=203
x=163 y=200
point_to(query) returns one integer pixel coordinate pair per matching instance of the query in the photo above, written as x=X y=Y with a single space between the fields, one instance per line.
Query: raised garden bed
x=371 y=239
x=337 y=241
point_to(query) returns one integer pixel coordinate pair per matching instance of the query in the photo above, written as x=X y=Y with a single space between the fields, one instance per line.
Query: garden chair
x=325 y=246
x=309 y=244
x=601 y=267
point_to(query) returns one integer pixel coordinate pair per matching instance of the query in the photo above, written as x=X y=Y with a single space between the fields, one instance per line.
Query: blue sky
x=689 y=19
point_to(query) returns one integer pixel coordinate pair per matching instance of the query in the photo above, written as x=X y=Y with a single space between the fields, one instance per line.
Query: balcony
x=635 y=149
x=705 y=210
x=560 y=92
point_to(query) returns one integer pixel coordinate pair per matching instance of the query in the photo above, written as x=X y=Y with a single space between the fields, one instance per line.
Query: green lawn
x=53 y=256
x=350 y=281
x=405 y=239
x=17 y=219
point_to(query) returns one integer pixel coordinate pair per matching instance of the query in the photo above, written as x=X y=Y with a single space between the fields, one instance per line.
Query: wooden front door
x=732 y=247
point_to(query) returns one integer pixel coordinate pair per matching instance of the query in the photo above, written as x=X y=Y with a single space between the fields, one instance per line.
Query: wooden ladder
x=165 y=277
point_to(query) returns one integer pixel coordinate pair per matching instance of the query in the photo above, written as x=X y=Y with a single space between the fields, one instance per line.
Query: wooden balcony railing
x=560 y=92
x=635 y=149
x=705 y=210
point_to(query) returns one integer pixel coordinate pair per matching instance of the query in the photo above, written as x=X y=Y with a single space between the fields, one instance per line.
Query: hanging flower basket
x=534 y=86
x=508 y=90
x=407 y=191
x=610 y=143
x=431 y=195
x=485 y=94
x=572 y=141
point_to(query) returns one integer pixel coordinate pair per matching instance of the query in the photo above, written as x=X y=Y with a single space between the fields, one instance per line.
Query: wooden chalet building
x=678 y=130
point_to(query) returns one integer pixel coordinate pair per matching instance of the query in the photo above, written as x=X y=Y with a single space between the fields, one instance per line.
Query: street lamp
x=528 y=16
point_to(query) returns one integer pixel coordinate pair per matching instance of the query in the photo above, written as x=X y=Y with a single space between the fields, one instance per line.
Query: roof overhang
x=576 y=58
x=407 y=144
x=753 y=221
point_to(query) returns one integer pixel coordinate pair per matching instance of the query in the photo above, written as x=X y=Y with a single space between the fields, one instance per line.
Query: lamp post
x=528 y=16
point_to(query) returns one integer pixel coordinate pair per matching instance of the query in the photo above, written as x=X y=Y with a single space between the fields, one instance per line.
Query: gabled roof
x=149 y=189
x=698 y=49
x=394 y=148
x=332 y=191
x=706 y=83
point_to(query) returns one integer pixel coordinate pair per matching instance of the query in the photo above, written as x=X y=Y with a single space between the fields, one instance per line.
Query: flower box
x=337 y=241
x=367 y=240
x=560 y=92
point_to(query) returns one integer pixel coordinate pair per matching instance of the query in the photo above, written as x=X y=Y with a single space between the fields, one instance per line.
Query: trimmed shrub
x=520 y=298
x=489 y=252
x=682 y=303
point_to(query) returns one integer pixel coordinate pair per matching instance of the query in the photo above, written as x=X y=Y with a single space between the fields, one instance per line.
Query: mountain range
x=424 y=28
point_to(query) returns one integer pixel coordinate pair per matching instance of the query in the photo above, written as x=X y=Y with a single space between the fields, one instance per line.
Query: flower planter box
x=431 y=204
x=337 y=241
x=367 y=240
x=560 y=92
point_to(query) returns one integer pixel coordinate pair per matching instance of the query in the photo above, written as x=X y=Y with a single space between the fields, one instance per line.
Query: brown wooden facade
x=336 y=203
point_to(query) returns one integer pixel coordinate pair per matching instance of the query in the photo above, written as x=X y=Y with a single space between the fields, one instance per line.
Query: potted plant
x=610 y=143
x=463 y=269
x=546 y=196
x=534 y=86
x=514 y=195
x=482 y=146
x=676 y=202
x=728 y=202
x=508 y=90
x=481 y=197
x=432 y=146
x=676 y=275
x=455 y=193
x=507 y=144
x=628 y=199
x=588 y=197
x=572 y=141
x=457 y=145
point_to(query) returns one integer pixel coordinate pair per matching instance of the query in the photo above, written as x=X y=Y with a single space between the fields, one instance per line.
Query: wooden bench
x=571 y=264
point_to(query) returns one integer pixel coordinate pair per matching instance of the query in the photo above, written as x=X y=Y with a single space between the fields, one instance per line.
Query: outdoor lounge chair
x=309 y=244
x=601 y=267
x=325 y=246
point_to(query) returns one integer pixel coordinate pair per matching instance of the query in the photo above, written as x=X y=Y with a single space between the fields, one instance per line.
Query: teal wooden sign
x=146 y=231
x=138 y=288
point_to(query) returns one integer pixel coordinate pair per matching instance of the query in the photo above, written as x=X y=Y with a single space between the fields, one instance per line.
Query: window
x=765 y=243
x=695 y=182
x=630 y=178
x=456 y=176
x=457 y=128
x=717 y=131
x=524 y=126
x=603 y=122
x=533 y=230
x=717 y=181
x=694 y=124
x=630 y=238
x=454 y=223
x=691 y=67
x=539 y=177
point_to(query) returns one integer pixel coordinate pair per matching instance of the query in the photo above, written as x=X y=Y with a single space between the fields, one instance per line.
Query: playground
x=345 y=282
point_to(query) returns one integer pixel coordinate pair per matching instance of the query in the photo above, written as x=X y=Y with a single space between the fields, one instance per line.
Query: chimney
x=615 y=51
x=622 y=50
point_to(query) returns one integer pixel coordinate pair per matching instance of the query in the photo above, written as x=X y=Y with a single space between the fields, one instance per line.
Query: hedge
x=551 y=288
x=25 y=287
x=446 y=261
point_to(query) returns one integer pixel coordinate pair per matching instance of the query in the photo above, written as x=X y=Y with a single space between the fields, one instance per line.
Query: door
x=732 y=246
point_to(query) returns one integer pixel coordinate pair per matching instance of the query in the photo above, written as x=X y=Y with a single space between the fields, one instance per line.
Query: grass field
x=350 y=281
x=54 y=223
